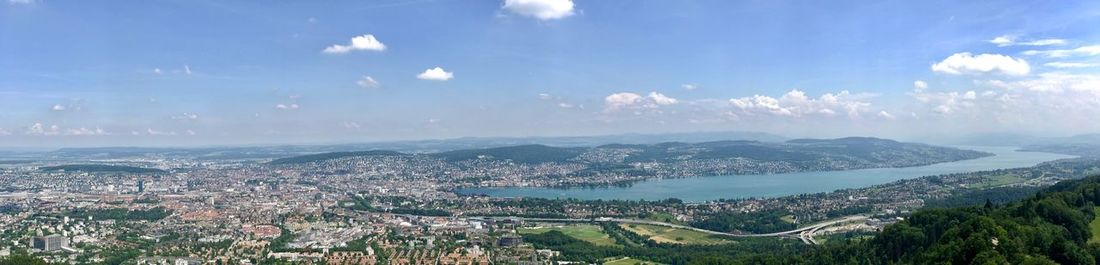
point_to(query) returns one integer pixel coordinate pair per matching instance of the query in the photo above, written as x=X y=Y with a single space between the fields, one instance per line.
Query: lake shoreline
x=705 y=188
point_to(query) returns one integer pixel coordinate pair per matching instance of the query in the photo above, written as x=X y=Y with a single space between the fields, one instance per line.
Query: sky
x=197 y=73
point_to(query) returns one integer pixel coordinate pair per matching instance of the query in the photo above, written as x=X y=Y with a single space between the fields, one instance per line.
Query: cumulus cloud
x=351 y=125
x=886 y=115
x=796 y=104
x=661 y=99
x=436 y=74
x=151 y=131
x=1052 y=101
x=628 y=100
x=358 y=43
x=1070 y=65
x=290 y=106
x=1092 y=50
x=58 y=107
x=85 y=131
x=966 y=63
x=367 y=82
x=186 y=116
x=1008 y=40
x=40 y=129
x=920 y=84
x=621 y=100
x=1058 y=83
x=1003 y=40
x=541 y=9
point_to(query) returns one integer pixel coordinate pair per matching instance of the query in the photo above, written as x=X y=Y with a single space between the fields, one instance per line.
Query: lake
x=697 y=189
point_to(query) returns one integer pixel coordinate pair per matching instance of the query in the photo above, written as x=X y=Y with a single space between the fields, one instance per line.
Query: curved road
x=809 y=240
x=804 y=233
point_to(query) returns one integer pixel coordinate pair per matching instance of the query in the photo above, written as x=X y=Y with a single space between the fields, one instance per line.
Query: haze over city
x=80 y=73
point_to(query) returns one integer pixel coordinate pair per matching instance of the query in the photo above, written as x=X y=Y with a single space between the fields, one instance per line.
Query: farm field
x=663 y=234
x=587 y=232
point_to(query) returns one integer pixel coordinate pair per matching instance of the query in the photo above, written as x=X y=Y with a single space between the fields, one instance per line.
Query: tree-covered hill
x=855 y=152
x=101 y=168
x=531 y=154
x=1051 y=227
x=331 y=156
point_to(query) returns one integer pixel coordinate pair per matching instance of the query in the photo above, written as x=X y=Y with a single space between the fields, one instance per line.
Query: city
x=549 y=132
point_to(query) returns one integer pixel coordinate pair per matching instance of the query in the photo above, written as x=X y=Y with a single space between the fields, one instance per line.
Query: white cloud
x=661 y=99
x=689 y=86
x=1007 y=40
x=1051 y=101
x=189 y=132
x=58 y=107
x=1004 y=40
x=85 y=131
x=437 y=74
x=1092 y=50
x=885 y=115
x=963 y=63
x=367 y=82
x=4 y=132
x=565 y=105
x=796 y=104
x=286 y=106
x=541 y=9
x=40 y=129
x=351 y=125
x=545 y=96
x=358 y=43
x=628 y=100
x=621 y=100
x=186 y=116
x=1057 y=83
x=157 y=71
x=151 y=131
x=187 y=69
x=20 y=2
x=920 y=84
x=1070 y=65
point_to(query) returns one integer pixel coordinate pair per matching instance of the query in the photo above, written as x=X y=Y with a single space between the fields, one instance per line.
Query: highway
x=804 y=233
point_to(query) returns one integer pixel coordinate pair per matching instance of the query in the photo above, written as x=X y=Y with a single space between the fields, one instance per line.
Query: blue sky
x=85 y=73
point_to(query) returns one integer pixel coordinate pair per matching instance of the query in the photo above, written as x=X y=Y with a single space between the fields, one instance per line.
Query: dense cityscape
x=389 y=208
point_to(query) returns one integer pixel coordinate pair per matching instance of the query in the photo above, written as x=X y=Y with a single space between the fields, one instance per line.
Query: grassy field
x=587 y=232
x=629 y=261
x=1095 y=227
x=664 y=234
x=997 y=181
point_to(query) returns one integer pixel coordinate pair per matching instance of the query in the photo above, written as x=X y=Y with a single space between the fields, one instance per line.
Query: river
x=696 y=189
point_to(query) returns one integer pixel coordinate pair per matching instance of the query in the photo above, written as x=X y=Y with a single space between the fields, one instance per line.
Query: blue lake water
x=742 y=186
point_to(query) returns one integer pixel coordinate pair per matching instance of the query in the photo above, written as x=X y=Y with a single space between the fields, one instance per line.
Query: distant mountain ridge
x=715 y=157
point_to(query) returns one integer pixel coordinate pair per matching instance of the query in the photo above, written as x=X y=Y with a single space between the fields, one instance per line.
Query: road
x=805 y=233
